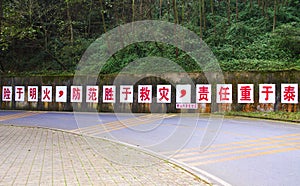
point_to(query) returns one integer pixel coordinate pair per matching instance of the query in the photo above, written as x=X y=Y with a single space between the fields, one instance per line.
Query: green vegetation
x=283 y=116
x=49 y=37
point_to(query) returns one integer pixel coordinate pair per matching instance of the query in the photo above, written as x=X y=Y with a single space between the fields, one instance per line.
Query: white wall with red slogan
x=245 y=92
x=242 y=92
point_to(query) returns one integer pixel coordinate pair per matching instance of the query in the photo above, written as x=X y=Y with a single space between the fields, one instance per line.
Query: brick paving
x=38 y=156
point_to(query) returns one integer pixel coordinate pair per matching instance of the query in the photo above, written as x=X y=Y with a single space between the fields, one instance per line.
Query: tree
x=133 y=11
x=274 y=16
x=1 y=15
x=228 y=11
x=102 y=16
x=213 y=14
x=203 y=14
x=51 y=35
x=1 y=18
x=236 y=9
x=201 y=18
x=160 y=9
x=70 y=22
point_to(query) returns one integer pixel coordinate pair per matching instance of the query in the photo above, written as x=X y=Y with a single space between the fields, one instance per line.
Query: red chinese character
x=76 y=94
x=92 y=93
x=203 y=93
x=223 y=93
x=109 y=94
x=144 y=93
x=267 y=91
x=19 y=92
x=6 y=93
x=32 y=93
x=126 y=92
x=163 y=93
x=46 y=94
x=245 y=93
x=289 y=93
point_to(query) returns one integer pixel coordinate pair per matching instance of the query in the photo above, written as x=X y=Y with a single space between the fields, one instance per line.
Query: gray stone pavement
x=38 y=156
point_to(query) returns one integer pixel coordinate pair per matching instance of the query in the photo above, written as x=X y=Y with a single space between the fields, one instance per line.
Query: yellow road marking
x=116 y=125
x=245 y=156
x=19 y=115
x=238 y=151
x=127 y=125
x=112 y=124
x=277 y=142
x=256 y=140
x=234 y=143
x=95 y=127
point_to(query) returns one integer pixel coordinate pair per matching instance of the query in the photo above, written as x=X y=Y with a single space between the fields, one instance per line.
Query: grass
x=281 y=116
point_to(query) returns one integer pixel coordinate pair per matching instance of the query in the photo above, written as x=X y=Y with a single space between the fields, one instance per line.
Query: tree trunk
x=274 y=17
x=200 y=16
x=169 y=10
x=89 y=18
x=263 y=7
x=141 y=10
x=203 y=15
x=182 y=11
x=176 y=22
x=123 y=11
x=175 y=12
x=213 y=14
x=70 y=24
x=102 y=16
x=133 y=10
x=46 y=38
x=1 y=15
x=160 y=9
x=266 y=9
x=1 y=18
x=228 y=11
x=237 y=10
x=150 y=7
x=30 y=12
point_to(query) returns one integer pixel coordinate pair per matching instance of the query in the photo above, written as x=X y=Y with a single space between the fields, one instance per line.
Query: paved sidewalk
x=37 y=156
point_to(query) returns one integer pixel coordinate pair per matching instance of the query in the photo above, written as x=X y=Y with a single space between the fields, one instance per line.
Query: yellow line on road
x=127 y=125
x=112 y=124
x=19 y=115
x=214 y=148
x=256 y=140
x=91 y=128
x=237 y=152
x=120 y=124
x=277 y=142
x=245 y=156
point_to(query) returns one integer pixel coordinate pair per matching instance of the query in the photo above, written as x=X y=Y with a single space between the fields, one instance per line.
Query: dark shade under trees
x=51 y=36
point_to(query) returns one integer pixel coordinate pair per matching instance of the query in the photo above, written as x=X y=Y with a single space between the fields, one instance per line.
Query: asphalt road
x=238 y=151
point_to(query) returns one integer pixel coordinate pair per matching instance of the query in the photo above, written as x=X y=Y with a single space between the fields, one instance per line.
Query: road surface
x=240 y=151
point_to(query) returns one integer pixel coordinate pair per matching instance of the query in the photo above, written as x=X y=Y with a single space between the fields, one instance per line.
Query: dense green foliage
x=51 y=36
x=278 y=116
